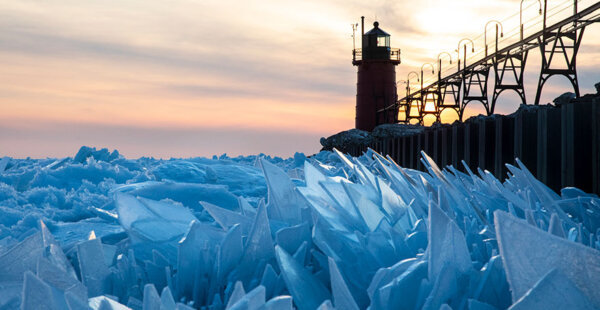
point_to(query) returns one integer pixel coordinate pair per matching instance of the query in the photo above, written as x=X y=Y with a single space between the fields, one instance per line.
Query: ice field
x=98 y=231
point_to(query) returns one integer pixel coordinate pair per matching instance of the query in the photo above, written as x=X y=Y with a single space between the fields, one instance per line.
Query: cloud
x=261 y=65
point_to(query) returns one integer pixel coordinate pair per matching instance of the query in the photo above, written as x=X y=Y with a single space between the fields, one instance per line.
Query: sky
x=184 y=78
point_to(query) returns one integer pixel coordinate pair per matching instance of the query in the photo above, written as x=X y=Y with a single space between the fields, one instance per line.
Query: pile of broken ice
x=337 y=233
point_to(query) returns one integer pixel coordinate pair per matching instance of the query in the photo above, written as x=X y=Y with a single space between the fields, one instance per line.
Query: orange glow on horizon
x=280 y=66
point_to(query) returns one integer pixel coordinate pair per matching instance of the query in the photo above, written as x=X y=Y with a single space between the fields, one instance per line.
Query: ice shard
x=196 y=258
x=38 y=295
x=227 y=218
x=307 y=291
x=153 y=224
x=343 y=233
x=403 y=291
x=105 y=303
x=95 y=275
x=237 y=294
x=60 y=280
x=4 y=163
x=258 y=248
x=280 y=303
x=291 y=238
x=447 y=244
x=283 y=203
x=553 y=291
x=253 y=300
x=529 y=254
x=342 y=298
x=151 y=298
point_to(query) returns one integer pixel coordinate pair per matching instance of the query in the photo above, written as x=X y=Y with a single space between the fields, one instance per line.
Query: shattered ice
x=99 y=231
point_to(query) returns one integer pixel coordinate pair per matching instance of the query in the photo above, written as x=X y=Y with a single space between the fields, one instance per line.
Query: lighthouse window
x=383 y=41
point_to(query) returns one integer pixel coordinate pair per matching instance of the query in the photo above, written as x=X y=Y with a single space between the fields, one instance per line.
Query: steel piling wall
x=559 y=146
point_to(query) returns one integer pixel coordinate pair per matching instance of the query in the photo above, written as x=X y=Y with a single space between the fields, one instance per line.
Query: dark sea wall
x=558 y=143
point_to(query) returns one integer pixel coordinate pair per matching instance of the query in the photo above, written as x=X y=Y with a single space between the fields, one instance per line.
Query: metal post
x=485 y=35
x=521 y=19
x=354 y=26
x=521 y=34
x=421 y=83
x=465 y=58
x=496 y=39
x=574 y=12
x=362 y=27
x=545 y=14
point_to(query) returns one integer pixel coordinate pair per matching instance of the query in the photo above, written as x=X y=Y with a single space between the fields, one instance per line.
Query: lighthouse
x=376 y=94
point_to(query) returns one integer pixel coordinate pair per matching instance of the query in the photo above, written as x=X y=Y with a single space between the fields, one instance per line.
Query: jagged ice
x=99 y=231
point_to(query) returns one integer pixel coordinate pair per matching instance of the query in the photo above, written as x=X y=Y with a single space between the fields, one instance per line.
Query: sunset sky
x=185 y=78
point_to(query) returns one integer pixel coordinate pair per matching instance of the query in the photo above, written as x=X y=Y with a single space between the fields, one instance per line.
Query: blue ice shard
x=553 y=291
x=555 y=226
x=166 y=299
x=291 y=238
x=53 y=251
x=386 y=275
x=237 y=294
x=326 y=305
x=4 y=163
x=280 y=303
x=74 y=303
x=95 y=274
x=342 y=298
x=259 y=245
x=181 y=306
x=105 y=303
x=368 y=210
x=151 y=298
x=231 y=251
x=447 y=244
x=61 y=280
x=493 y=288
x=448 y=286
x=253 y=300
x=308 y=292
x=38 y=295
x=529 y=254
x=403 y=291
x=196 y=253
x=227 y=218
x=153 y=224
x=284 y=203
x=24 y=256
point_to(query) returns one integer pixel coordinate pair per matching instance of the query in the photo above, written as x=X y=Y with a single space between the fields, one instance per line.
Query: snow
x=99 y=231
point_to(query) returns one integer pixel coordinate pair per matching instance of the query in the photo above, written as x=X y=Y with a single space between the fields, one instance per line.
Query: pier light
x=465 y=51
x=521 y=16
x=485 y=34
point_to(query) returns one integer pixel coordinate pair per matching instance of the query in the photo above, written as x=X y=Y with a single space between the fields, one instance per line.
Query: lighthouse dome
x=376 y=31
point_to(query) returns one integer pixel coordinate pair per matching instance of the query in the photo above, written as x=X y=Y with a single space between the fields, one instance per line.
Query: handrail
x=395 y=54
x=526 y=44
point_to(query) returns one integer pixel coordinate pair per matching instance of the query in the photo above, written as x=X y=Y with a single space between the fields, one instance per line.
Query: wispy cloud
x=213 y=67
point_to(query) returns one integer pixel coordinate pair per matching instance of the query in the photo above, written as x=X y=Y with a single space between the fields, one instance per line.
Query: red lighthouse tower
x=376 y=87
